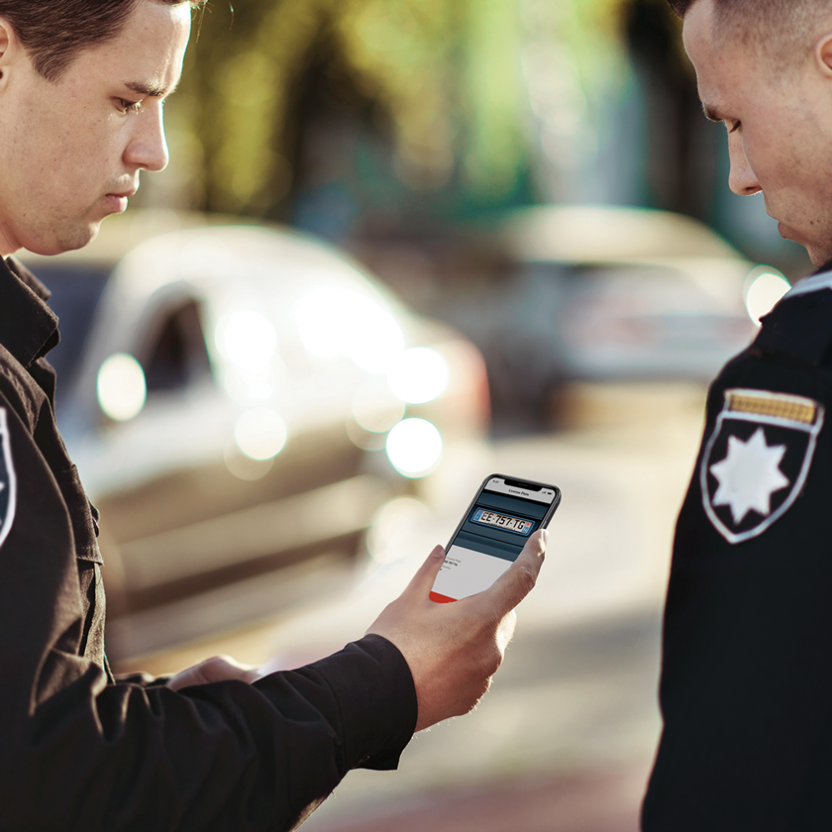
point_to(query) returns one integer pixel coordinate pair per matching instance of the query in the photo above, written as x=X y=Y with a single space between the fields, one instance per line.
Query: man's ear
x=9 y=46
x=823 y=54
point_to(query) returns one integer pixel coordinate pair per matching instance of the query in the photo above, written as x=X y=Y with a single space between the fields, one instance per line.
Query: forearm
x=222 y=756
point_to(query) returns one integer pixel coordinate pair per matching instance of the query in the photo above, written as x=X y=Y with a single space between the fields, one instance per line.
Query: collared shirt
x=821 y=279
x=80 y=750
x=28 y=331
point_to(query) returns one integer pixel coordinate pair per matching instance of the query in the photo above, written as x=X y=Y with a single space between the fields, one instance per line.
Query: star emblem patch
x=8 y=482
x=749 y=475
x=757 y=459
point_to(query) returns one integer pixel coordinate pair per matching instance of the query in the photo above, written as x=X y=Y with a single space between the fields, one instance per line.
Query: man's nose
x=148 y=147
x=741 y=179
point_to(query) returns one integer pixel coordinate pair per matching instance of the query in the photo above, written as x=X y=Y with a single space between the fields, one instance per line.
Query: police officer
x=82 y=84
x=747 y=668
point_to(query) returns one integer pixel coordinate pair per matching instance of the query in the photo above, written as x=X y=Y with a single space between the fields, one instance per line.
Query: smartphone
x=492 y=533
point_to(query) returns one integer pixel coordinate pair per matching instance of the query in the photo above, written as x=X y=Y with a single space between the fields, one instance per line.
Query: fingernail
x=545 y=537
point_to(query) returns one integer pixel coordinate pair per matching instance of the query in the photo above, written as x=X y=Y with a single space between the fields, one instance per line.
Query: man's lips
x=118 y=201
x=124 y=194
x=785 y=232
x=781 y=228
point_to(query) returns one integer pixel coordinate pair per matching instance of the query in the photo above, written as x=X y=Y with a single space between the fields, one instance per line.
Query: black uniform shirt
x=80 y=750
x=746 y=689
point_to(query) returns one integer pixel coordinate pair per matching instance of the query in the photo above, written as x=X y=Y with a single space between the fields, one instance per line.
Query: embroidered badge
x=8 y=483
x=757 y=460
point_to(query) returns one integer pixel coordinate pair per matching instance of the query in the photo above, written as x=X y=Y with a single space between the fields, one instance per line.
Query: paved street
x=565 y=738
x=594 y=802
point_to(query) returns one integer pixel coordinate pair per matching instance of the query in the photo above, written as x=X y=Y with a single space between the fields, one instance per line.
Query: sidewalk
x=607 y=802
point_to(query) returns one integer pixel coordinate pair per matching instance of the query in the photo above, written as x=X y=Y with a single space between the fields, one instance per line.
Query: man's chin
x=819 y=255
x=65 y=240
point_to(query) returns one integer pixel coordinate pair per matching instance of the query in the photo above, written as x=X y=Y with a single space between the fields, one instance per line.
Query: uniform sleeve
x=79 y=753
x=746 y=689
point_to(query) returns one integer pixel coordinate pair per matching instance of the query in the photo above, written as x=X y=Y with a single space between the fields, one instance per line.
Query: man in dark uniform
x=81 y=89
x=746 y=688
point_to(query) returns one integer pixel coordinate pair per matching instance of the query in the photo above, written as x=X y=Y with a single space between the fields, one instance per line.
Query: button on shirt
x=82 y=750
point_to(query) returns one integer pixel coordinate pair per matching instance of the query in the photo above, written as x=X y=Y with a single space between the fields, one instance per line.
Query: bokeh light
x=764 y=288
x=260 y=433
x=420 y=375
x=375 y=407
x=414 y=447
x=247 y=339
x=339 y=322
x=121 y=387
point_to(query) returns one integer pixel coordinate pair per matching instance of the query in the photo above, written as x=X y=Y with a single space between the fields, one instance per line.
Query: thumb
x=422 y=582
x=519 y=579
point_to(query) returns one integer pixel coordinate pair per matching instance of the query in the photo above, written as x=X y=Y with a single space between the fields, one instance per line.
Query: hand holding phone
x=503 y=514
x=453 y=650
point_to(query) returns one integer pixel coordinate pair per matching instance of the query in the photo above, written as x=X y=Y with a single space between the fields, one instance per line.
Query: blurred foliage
x=443 y=81
x=592 y=31
x=576 y=75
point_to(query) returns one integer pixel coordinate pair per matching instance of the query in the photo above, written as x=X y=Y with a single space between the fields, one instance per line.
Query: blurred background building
x=409 y=131
x=368 y=118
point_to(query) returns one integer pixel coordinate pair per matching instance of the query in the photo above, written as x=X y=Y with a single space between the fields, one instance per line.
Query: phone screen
x=492 y=534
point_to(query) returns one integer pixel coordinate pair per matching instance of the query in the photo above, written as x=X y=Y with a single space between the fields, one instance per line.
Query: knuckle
x=526 y=578
x=491 y=661
x=496 y=661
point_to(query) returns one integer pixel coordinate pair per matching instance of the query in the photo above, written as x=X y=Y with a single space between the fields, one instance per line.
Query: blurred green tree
x=438 y=86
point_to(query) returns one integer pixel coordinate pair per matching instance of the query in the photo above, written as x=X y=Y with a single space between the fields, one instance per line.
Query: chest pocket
x=84 y=519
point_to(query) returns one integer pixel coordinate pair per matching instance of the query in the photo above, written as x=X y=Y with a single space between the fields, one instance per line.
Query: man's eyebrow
x=148 y=89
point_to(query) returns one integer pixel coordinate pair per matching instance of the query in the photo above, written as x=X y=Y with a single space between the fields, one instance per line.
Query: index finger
x=519 y=579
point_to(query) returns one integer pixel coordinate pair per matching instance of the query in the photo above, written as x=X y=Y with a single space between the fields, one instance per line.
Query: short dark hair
x=752 y=8
x=781 y=29
x=54 y=31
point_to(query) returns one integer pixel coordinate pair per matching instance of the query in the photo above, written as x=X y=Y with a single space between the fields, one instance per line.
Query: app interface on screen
x=492 y=536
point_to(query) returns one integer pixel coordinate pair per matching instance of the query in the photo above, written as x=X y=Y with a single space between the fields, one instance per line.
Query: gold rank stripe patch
x=776 y=405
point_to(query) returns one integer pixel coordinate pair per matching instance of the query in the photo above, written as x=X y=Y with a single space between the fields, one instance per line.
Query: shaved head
x=775 y=108
x=782 y=31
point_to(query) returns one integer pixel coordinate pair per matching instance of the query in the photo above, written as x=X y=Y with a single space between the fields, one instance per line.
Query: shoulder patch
x=8 y=481
x=757 y=460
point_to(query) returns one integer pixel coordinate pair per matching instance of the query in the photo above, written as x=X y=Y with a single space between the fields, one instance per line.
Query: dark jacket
x=746 y=688
x=81 y=750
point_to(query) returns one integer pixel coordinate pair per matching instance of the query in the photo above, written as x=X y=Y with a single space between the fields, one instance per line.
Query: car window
x=177 y=357
x=76 y=292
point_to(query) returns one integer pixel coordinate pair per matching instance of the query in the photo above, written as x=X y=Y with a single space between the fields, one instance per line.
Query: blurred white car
x=598 y=293
x=241 y=400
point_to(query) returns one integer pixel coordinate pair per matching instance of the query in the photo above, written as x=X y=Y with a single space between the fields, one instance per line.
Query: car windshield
x=76 y=291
